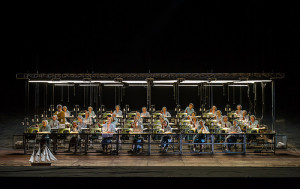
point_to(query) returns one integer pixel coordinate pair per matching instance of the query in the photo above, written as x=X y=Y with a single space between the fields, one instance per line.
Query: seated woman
x=145 y=113
x=200 y=138
x=253 y=123
x=45 y=137
x=137 y=126
x=213 y=110
x=81 y=124
x=138 y=116
x=115 y=120
x=194 y=123
x=118 y=112
x=87 y=119
x=108 y=129
x=235 y=129
x=166 y=139
x=225 y=122
x=165 y=113
x=60 y=114
x=189 y=110
x=239 y=111
x=54 y=123
x=67 y=113
x=219 y=116
x=91 y=112
x=75 y=138
x=191 y=117
x=244 y=116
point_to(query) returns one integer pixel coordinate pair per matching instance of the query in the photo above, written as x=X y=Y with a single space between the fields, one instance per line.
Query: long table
x=181 y=140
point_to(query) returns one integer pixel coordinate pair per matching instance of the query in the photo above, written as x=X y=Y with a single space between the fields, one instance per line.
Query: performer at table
x=200 y=137
x=108 y=129
x=81 y=123
x=54 y=123
x=137 y=127
x=244 y=117
x=45 y=137
x=91 y=112
x=225 y=122
x=213 y=110
x=191 y=117
x=118 y=111
x=234 y=129
x=67 y=113
x=166 y=139
x=219 y=116
x=239 y=111
x=145 y=113
x=60 y=114
x=88 y=120
x=75 y=138
x=189 y=110
x=253 y=123
x=165 y=113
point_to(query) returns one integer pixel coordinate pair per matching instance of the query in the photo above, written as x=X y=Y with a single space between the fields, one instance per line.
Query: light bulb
x=49 y=110
x=42 y=115
x=32 y=120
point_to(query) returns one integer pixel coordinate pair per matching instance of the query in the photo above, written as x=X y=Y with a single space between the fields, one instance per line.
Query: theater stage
x=285 y=163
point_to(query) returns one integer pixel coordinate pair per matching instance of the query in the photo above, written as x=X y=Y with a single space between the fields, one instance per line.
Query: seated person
x=244 y=116
x=45 y=127
x=75 y=138
x=165 y=113
x=87 y=119
x=235 y=129
x=145 y=113
x=67 y=113
x=199 y=138
x=115 y=120
x=239 y=111
x=189 y=110
x=60 y=114
x=54 y=123
x=194 y=123
x=162 y=119
x=225 y=122
x=91 y=112
x=219 y=116
x=192 y=116
x=253 y=123
x=107 y=130
x=138 y=116
x=137 y=126
x=45 y=137
x=213 y=110
x=166 y=139
x=81 y=124
x=118 y=112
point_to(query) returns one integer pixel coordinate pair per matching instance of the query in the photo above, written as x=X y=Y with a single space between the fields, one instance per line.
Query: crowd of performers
x=110 y=125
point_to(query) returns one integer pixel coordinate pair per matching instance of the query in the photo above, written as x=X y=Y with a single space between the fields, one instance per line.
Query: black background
x=166 y=36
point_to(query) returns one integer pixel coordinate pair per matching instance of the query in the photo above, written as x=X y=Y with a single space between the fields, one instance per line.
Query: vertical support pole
x=262 y=100
x=26 y=98
x=240 y=95
x=212 y=95
x=52 y=95
x=149 y=83
x=180 y=143
x=273 y=105
x=62 y=94
x=244 y=143
x=24 y=144
x=149 y=144
x=115 y=96
x=118 y=135
x=212 y=143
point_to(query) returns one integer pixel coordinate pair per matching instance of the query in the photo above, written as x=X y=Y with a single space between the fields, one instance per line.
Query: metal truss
x=144 y=76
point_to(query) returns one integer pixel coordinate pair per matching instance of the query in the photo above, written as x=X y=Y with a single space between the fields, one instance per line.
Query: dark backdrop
x=169 y=36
